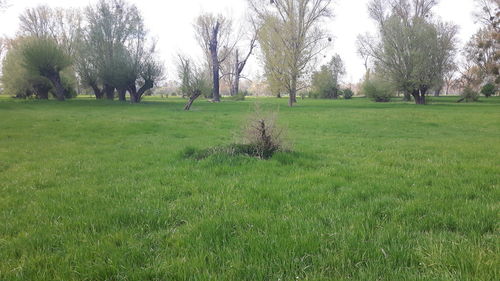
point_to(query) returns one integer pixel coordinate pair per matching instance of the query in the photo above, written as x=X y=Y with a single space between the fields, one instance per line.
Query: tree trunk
x=99 y=94
x=109 y=91
x=215 y=63
x=42 y=92
x=191 y=100
x=419 y=96
x=235 y=87
x=293 y=92
x=122 y=94
x=56 y=81
x=406 y=96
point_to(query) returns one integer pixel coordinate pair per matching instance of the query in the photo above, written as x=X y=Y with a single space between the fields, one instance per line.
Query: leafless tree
x=237 y=64
x=214 y=34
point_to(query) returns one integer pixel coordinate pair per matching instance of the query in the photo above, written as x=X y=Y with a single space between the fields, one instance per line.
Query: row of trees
x=106 y=48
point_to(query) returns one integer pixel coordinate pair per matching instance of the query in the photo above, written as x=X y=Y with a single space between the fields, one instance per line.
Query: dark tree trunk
x=192 y=98
x=122 y=94
x=293 y=92
x=99 y=94
x=215 y=62
x=419 y=96
x=42 y=92
x=109 y=91
x=56 y=81
x=136 y=95
x=279 y=96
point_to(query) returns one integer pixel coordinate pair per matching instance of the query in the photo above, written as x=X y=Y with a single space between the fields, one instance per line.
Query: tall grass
x=96 y=190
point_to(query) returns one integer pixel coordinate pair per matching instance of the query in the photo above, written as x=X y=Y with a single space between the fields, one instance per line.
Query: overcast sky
x=171 y=22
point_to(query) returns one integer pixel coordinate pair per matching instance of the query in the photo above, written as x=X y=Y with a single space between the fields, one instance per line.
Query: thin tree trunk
x=235 y=87
x=191 y=100
x=215 y=63
x=293 y=92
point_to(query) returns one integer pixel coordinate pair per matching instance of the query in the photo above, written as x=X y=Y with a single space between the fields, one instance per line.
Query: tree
x=489 y=90
x=483 y=49
x=44 y=57
x=412 y=50
x=326 y=81
x=290 y=38
x=237 y=65
x=17 y=81
x=62 y=25
x=112 y=25
x=214 y=36
x=193 y=81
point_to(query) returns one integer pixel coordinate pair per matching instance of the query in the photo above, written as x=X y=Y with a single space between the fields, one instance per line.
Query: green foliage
x=239 y=97
x=323 y=84
x=488 y=90
x=377 y=90
x=469 y=95
x=17 y=80
x=43 y=56
x=348 y=94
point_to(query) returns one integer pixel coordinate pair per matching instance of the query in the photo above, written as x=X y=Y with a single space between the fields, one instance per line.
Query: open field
x=97 y=190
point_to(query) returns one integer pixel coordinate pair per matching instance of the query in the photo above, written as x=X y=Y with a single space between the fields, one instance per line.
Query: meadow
x=99 y=190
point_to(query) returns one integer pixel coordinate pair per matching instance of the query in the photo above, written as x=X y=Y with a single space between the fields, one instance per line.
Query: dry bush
x=262 y=135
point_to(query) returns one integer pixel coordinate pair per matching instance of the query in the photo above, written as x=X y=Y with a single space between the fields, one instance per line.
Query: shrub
x=488 y=90
x=377 y=90
x=469 y=95
x=348 y=94
x=239 y=97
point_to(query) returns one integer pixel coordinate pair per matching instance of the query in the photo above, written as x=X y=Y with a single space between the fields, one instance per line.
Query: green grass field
x=97 y=190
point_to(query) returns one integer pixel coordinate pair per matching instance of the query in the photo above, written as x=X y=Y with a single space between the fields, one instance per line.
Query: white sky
x=171 y=22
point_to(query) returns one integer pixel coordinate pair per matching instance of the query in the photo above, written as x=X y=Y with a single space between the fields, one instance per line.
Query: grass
x=95 y=190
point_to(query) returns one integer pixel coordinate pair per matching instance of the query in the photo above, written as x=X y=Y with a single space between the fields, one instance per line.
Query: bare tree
x=290 y=38
x=237 y=64
x=214 y=34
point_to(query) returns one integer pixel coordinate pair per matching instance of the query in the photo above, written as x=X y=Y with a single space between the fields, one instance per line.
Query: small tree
x=469 y=95
x=377 y=90
x=194 y=82
x=44 y=57
x=348 y=94
x=488 y=90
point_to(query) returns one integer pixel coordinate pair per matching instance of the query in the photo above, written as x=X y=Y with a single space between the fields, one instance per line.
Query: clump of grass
x=262 y=139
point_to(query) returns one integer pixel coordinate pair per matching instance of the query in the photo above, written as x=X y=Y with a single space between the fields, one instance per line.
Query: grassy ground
x=94 y=190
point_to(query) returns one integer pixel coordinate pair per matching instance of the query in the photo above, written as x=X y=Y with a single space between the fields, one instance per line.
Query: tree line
x=106 y=48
